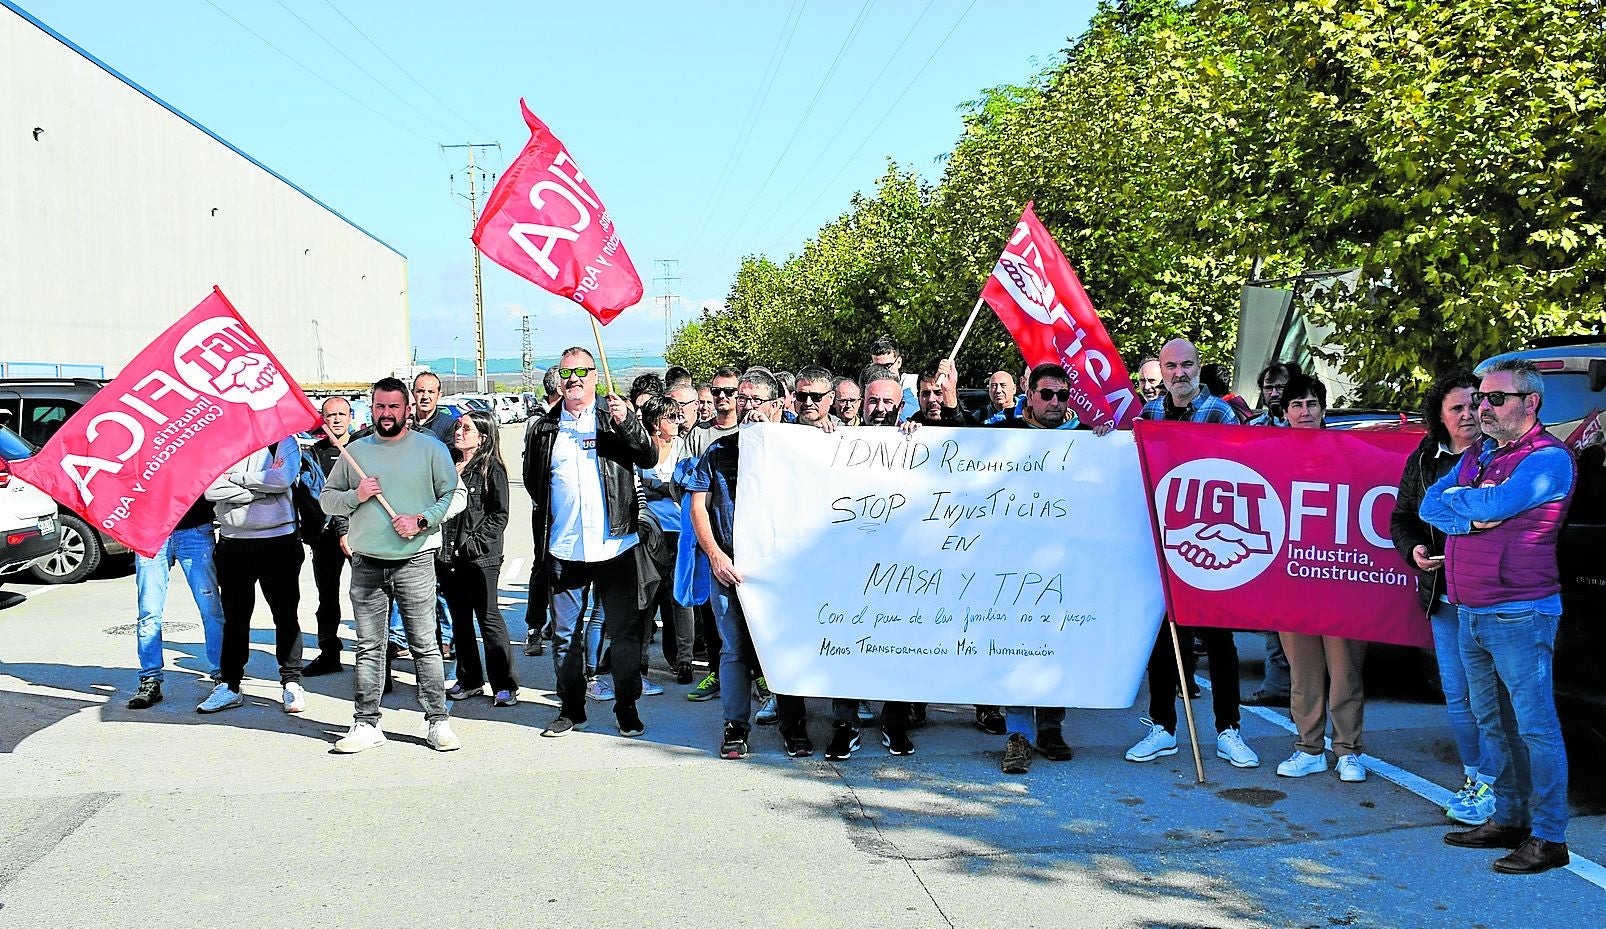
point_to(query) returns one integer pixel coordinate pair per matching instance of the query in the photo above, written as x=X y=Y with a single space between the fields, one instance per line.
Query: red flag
x=201 y=397
x=1037 y=294
x=1283 y=529
x=544 y=223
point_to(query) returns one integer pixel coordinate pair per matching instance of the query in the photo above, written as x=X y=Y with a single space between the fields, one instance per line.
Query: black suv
x=35 y=407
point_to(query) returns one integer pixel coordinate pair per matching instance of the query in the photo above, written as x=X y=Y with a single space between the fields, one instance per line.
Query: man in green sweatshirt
x=394 y=557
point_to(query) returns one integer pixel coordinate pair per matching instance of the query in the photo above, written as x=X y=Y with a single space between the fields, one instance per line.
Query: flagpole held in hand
x=602 y=353
x=966 y=331
x=352 y=460
x=1187 y=702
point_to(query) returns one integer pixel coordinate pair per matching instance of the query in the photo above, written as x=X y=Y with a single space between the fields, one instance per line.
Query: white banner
x=993 y=566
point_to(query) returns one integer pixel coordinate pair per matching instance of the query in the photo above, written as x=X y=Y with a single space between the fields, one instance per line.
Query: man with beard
x=393 y=558
x=1272 y=381
x=938 y=394
x=883 y=396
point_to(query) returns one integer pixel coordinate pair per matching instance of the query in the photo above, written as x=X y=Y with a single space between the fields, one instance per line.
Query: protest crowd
x=632 y=495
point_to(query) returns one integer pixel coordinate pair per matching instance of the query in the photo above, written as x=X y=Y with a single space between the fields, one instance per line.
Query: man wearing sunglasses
x=579 y=468
x=813 y=398
x=723 y=389
x=1501 y=509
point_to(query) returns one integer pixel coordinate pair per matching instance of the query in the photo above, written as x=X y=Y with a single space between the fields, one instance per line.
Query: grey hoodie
x=253 y=497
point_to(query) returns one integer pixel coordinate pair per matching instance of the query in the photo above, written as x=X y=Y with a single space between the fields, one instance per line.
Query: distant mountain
x=465 y=366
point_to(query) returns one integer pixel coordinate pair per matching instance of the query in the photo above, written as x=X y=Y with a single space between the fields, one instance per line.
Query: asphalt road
x=112 y=817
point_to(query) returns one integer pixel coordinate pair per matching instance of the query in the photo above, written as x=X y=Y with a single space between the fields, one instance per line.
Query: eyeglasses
x=567 y=373
x=722 y=391
x=811 y=396
x=1497 y=398
x=1047 y=395
x=841 y=399
x=753 y=401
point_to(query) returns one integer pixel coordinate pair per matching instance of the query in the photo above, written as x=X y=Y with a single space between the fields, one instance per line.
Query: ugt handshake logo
x=1222 y=524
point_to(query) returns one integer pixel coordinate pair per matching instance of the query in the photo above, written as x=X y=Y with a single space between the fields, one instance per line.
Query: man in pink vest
x=1501 y=509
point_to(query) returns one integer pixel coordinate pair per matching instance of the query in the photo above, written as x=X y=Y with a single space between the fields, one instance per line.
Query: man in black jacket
x=329 y=551
x=579 y=466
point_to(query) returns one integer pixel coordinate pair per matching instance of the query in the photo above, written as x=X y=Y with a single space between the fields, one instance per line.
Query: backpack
x=311 y=520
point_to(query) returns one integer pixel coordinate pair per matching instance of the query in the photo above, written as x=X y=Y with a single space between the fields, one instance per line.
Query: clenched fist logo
x=219 y=356
x=1216 y=547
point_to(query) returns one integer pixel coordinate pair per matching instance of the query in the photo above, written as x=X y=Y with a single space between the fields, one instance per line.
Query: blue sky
x=652 y=100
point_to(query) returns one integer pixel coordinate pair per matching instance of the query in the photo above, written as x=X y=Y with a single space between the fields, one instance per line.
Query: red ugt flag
x=1040 y=300
x=545 y=224
x=201 y=397
x=1282 y=529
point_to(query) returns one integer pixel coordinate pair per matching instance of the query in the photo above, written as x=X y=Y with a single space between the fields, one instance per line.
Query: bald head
x=1179 y=366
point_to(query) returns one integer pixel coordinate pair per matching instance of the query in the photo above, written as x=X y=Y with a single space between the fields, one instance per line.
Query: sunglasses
x=722 y=391
x=1047 y=395
x=567 y=373
x=811 y=396
x=1497 y=398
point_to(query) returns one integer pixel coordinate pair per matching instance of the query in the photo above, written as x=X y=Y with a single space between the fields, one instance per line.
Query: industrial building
x=118 y=213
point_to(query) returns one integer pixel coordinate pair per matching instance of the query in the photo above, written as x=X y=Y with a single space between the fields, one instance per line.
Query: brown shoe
x=1488 y=835
x=1017 y=754
x=1534 y=856
x=1265 y=698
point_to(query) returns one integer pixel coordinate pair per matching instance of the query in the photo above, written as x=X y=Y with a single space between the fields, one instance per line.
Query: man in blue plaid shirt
x=1185 y=399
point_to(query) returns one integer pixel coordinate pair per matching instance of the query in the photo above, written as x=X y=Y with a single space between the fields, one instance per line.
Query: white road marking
x=513 y=573
x=1421 y=786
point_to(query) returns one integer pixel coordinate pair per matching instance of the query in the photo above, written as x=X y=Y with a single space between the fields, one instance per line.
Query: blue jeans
x=376 y=584
x=443 y=619
x=594 y=621
x=192 y=549
x=1025 y=720
x=735 y=651
x=1511 y=653
x=1446 y=621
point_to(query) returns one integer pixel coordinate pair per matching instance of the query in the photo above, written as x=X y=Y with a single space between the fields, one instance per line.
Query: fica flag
x=201 y=397
x=545 y=223
x=1282 y=529
x=1040 y=300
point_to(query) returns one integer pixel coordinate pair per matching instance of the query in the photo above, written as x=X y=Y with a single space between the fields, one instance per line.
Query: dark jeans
x=471 y=596
x=1223 y=655
x=274 y=565
x=570 y=585
x=679 y=631
x=328 y=563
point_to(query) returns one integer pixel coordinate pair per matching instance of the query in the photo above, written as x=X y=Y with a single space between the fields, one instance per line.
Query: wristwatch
x=422 y=522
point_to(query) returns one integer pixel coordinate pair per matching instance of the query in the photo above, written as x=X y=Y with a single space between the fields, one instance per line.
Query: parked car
x=35 y=407
x=510 y=409
x=29 y=530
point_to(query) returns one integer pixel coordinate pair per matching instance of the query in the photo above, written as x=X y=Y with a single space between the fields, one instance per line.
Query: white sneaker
x=769 y=712
x=1301 y=763
x=600 y=688
x=1230 y=746
x=295 y=699
x=1350 y=769
x=648 y=688
x=1158 y=742
x=362 y=737
x=222 y=697
x=442 y=738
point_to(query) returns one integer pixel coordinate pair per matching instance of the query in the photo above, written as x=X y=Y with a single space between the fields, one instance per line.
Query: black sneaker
x=1052 y=744
x=990 y=719
x=917 y=715
x=562 y=726
x=1017 y=754
x=734 y=745
x=323 y=664
x=148 y=695
x=897 y=741
x=844 y=742
x=683 y=673
x=630 y=724
x=534 y=643
x=798 y=743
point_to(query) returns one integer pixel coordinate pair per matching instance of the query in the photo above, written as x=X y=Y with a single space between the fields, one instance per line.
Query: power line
x=386 y=87
x=871 y=134
x=332 y=85
x=752 y=201
x=841 y=127
x=477 y=130
x=772 y=69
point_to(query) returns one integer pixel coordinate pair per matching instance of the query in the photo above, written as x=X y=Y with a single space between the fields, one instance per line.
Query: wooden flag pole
x=954 y=355
x=352 y=460
x=1187 y=702
x=602 y=353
